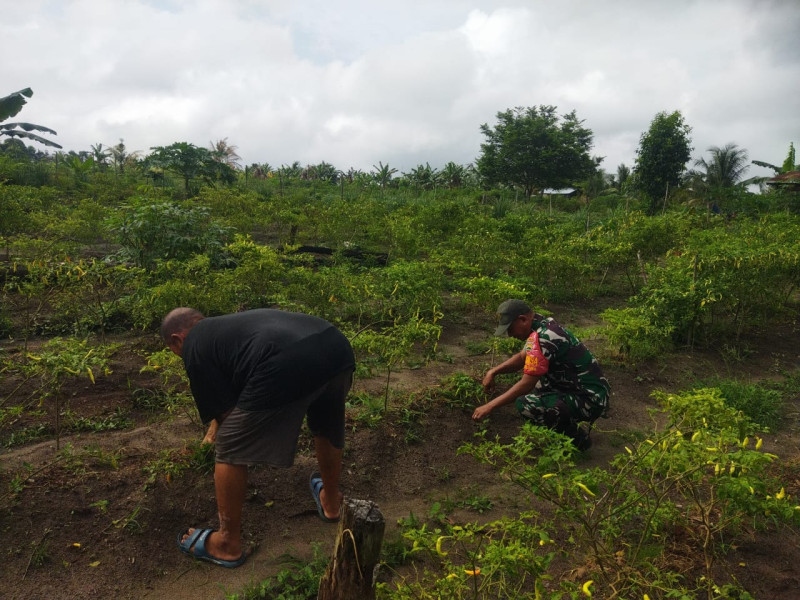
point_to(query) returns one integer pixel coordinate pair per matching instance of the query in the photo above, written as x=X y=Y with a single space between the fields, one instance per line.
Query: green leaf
x=13 y=103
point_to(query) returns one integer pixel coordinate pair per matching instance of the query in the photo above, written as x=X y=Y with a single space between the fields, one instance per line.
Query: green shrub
x=462 y=390
x=760 y=404
x=632 y=333
x=149 y=230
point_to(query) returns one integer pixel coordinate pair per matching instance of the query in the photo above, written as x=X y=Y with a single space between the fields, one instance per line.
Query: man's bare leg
x=230 y=482
x=329 y=459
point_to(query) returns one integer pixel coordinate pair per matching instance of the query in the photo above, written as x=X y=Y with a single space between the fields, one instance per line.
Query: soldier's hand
x=488 y=382
x=481 y=412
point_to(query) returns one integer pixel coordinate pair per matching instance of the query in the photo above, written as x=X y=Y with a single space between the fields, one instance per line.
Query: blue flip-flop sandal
x=195 y=546
x=315 y=483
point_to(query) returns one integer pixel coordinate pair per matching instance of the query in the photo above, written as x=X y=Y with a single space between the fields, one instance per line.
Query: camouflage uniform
x=571 y=387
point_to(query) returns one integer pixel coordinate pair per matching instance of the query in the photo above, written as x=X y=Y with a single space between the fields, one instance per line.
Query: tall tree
x=663 y=152
x=9 y=107
x=190 y=162
x=533 y=149
x=725 y=166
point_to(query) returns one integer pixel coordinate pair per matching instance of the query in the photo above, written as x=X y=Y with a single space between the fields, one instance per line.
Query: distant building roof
x=790 y=180
x=563 y=192
x=788 y=177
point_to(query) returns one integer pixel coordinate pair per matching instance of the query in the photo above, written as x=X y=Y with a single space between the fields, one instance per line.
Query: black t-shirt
x=260 y=359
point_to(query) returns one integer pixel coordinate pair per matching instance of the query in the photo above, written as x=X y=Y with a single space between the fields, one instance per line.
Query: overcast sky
x=406 y=82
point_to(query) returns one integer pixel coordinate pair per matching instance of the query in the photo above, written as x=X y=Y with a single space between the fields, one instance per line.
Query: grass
x=756 y=401
x=298 y=581
x=27 y=434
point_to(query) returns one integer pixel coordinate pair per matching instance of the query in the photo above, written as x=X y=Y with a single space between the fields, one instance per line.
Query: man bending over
x=255 y=376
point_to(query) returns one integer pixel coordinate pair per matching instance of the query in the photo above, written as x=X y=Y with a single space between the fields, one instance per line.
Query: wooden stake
x=350 y=573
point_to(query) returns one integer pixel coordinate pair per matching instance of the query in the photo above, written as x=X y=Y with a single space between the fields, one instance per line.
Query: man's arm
x=522 y=387
x=213 y=426
x=211 y=434
x=512 y=365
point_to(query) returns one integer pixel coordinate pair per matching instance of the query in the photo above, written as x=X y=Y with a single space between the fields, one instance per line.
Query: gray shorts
x=270 y=436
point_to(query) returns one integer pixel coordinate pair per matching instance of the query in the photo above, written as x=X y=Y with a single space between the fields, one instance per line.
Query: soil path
x=127 y=547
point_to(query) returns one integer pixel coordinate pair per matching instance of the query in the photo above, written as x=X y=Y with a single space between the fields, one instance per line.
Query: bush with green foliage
x=150 y=230
x=724 y=283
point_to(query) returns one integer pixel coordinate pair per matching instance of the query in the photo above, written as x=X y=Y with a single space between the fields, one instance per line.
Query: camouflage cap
x=507 y=312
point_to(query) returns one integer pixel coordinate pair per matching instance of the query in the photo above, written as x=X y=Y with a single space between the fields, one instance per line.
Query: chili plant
x=507 y=558
x=393 y=345
x=60 y=360
x=702 y=476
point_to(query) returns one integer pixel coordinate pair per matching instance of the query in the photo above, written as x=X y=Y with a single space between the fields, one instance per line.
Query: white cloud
x=403 y=83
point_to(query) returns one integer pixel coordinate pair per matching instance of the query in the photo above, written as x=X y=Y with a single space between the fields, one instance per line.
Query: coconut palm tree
x=725 y=166
x=623 y=173
x=121 y=156
x=100 y=155
x=423 y=176
x=383 y=174
x=291 y=171
x=223 y=152
x=453 y=175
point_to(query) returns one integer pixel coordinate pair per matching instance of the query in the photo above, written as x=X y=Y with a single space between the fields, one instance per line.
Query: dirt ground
x=89 y=529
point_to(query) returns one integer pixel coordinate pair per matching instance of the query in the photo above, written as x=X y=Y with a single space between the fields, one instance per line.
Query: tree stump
x=349 y=575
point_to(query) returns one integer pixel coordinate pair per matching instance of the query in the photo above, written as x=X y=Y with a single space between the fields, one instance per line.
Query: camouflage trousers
x=558 y=411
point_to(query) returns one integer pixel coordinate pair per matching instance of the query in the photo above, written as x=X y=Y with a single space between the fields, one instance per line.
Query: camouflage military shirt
x=563 y=364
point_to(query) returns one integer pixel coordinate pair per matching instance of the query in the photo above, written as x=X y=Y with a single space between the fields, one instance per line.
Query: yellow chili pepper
x=586 y=587
x=439 y=541
x=584 y=488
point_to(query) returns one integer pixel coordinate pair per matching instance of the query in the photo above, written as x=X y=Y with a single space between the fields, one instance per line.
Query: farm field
x=689 y=489
x=109 y=530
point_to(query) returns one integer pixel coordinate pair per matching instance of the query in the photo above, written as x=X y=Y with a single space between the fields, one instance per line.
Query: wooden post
x=641 y=266
x=349 y=575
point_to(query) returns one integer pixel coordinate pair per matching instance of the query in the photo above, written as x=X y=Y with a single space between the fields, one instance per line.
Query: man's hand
x=211 y=434
x=488 y=382
x=482 y=412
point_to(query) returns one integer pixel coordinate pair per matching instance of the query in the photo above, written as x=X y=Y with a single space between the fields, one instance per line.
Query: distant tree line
x=530 y=149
